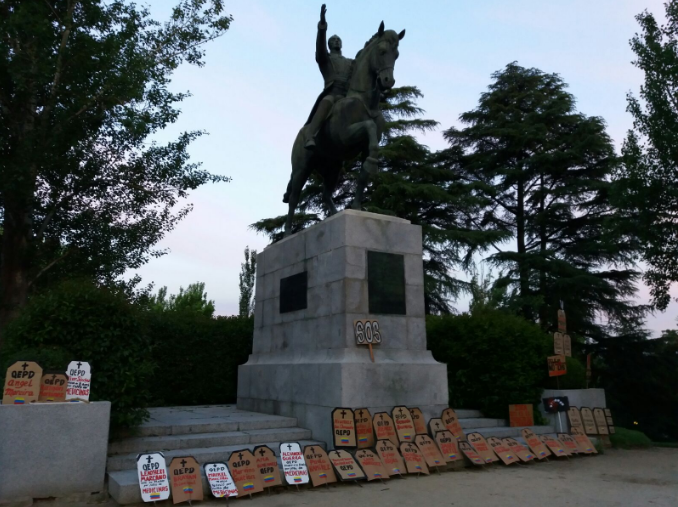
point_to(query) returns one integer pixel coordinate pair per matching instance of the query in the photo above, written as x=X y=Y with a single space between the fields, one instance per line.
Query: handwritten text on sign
x=293 y=463
x=79 y=380
x=221 y=482
x=153 y=481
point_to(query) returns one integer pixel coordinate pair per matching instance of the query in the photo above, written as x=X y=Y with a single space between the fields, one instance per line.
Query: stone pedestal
x=305 y=360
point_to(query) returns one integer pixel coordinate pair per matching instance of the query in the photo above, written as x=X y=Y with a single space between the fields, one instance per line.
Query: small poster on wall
x=521 y=415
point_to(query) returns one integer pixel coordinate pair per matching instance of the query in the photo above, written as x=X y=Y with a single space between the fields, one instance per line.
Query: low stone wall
x=53 y=449
x=578 y=398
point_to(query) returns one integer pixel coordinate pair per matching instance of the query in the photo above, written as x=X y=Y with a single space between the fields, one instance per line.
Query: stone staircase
x=473 y=421
x=209 y=433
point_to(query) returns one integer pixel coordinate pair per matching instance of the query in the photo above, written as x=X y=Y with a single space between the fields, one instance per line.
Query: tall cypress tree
x=544 y=171
x=415 y=184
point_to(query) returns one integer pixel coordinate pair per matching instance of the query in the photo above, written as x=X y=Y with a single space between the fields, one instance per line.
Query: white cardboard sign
x=221 y=482
x=294 y=465
x=153 y=481
x=79 y=380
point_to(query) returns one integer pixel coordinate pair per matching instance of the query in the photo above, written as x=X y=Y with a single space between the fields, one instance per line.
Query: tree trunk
x=543 y=308
x=523 y=272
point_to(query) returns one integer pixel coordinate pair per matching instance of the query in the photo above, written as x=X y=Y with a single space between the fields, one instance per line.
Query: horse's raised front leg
x=370 y=165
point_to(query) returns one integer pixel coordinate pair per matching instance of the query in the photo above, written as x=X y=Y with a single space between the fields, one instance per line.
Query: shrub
x=78 y=320
x=493 y=359
x=629 y=439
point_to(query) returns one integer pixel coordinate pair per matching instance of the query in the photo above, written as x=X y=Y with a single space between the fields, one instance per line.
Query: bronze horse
x=354 y=126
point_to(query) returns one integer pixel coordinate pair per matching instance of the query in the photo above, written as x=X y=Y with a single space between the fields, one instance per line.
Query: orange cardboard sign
x=319 y=466
x=583 y=442
x=567 y=345
x=430 y=451
x=435 y=425
x=502 y=451
x=390 y=457
x=343 y=427
x=414 y=460
x=363 y=428
x=521 y=415
x=346 y=466
x=448 y=446
x=558 y=344
x=371 y=465
x=589 y=422
x=553 y=445
x=480 y=445
x=384 y=428
x=575 y=418
x=568 y=443
x=419 y=421
x=267 y=464
x=185 y=480
x=536 y=446
x=245 y=473
x=451 y=422
x=53 y=387
x=520 y=450
x=562 y=322
x=557 y=366
x=471 y=453
x=404 y=425
x=601 y=421
x=22 y=383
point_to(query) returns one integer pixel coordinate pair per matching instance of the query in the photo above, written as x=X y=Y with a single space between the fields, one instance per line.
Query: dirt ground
x=617 y=478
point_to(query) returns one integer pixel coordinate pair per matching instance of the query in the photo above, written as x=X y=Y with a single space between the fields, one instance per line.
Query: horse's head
x=384 y=55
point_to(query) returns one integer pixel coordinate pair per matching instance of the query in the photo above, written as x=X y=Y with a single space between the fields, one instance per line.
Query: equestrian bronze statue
x=345 y=121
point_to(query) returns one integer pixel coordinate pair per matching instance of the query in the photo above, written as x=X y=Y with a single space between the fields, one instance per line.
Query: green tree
x=413 y=183
x=246 y=279
x=83 y=84
x=647 y=182
x=543 y=171
x=192 y=299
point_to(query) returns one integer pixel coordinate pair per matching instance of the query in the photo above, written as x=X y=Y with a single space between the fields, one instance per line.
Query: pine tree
x=544 y=171
x=246 y=279
x=413 y=183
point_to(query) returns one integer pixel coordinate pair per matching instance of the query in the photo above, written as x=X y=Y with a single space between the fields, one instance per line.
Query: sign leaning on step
x=185 y=480
x=575 y=419
x=451 y=422
x=404 y=425
x=343 y=427
x=319 y=467
x=220 y=480
x=589 y=422
x=363 y=428
x=448 y=446
x=346 y=467
x=79 y=380
x=390 y=457
x=294 y=466
x=371 y=465
x=152 y=473
x=536 y=446
x=419 y=421
x=554 y=445
x=245 y=474
x=22 y=383
x=430 y=451
x=414 y=460
x=267 y=464
x=471 y=453
x=504 y=453
x=384 y=428
x=519 y=449
x=480 y=445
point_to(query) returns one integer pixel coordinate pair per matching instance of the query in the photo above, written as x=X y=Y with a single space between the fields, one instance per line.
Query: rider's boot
x=314 y=126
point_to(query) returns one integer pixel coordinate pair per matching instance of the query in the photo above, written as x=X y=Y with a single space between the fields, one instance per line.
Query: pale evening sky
x=260 y=81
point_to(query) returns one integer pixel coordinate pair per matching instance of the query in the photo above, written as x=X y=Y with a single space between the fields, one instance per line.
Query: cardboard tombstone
x=610 y=421
x=518 y=449
x=554 y=445
x=152 y=473
x=451 y=422
x=53 y=387
x=346 y=467
x=245 y=473
x=567 y=345
x=384 y=429
x=430 y=451
x=414 y=459
x=436 y=425
x=568 y=444
x=22 y=383
x=294 y=465
x=574 y=416
x=319 y=466
x=419 y=421
x=371 y=464
x=601 y=421
x=404 y=425
x=185 y=480
x=583 y=442
x=590 y=427
x=557 y=365
x=448 y=446
x=79 y=380
x=505 y=454
x=562 y=322
x=363 y=428
x=537 y=447
x=521 y=415
x=343 y=427
x=471 y=454
x=390 y=457
x=558 y=349
x=267 y=464
x=480 y=445
x=220 y=480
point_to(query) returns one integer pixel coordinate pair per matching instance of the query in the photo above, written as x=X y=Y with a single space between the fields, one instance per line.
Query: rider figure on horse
x=336 y=71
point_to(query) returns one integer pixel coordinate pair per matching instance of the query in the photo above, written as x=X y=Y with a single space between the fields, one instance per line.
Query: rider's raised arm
x=321 y=53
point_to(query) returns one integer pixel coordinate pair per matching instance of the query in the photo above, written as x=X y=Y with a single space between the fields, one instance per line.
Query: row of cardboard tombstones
x=248 y=472
x=25 y=384
x=359 y=429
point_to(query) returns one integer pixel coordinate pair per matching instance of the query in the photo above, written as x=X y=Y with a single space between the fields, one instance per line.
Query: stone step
x=481 y=422
x=505 y=431
x=123 y=485
x=463 y=413
x=165 y=421
x=208 y=454
x=197 y=440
